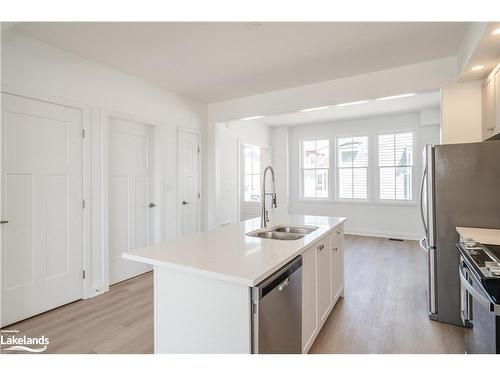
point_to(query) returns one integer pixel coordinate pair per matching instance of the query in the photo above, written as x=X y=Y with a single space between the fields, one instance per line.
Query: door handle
x=151 y=205
x=185 y=202
x=4 y=221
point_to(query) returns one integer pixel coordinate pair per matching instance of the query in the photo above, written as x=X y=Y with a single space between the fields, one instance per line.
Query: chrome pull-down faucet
x=264 y=218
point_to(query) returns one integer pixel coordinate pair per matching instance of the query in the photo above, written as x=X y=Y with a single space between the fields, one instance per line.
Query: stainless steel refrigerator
x=460 y=187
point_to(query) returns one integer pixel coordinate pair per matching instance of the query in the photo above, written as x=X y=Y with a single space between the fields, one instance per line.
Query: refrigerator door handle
x=423 y=244
x=429 y=183
x=422 y=185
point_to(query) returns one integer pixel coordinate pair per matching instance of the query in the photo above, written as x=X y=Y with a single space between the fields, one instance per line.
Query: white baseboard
x=397 y=235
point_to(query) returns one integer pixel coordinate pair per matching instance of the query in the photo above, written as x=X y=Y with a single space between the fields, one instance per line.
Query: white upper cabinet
x=497 y=99
x=491 y=104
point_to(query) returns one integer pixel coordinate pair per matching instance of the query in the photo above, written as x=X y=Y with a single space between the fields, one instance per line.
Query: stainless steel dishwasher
x=277 y=311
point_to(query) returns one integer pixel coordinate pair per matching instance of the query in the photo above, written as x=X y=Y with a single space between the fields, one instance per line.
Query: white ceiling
x=372 y=108
x=486 y=54
x=218 y=61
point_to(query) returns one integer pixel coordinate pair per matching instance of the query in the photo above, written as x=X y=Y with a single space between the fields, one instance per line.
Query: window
x=315 y=164
x=395 y=161
x=251 y=173
x=352 y=167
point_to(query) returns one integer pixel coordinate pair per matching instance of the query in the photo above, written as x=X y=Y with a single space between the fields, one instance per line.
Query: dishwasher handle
x=283 y=285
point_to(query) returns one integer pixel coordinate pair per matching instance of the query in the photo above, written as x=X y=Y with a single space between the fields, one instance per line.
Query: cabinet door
x=309 y=298
x=496 y=101
x=489 y=107
x=337 y=246
x=324 y=267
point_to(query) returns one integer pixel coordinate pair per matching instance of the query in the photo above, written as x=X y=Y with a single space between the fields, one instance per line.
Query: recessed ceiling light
x=477 y=67
x=351 y=103
x=496 y=31
x=397 y=96
x=314 y=108
x=250 y=118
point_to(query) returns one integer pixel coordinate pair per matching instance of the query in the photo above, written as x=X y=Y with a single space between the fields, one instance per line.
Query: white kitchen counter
x=481 y=235
x=228 y=254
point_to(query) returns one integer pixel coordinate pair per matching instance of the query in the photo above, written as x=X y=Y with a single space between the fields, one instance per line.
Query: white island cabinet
x=322 y=283
x=203 y=282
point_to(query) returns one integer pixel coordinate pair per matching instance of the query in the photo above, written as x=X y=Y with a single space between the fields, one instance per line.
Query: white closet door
x=42 y=195
x=131 y=192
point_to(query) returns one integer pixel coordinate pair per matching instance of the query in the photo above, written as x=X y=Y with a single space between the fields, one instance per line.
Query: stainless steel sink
x=283 y=232
x=303 y=229
x=276 y=235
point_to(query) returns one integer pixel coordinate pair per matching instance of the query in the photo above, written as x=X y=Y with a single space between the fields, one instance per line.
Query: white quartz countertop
x=481 y=235
x=228 y=254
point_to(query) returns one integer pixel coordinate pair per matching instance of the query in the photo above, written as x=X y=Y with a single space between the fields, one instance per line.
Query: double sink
x=283 y=232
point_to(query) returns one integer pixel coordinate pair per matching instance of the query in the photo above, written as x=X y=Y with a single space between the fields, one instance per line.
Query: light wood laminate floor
x=384 y=310
x=385 y=306
x=120 y=321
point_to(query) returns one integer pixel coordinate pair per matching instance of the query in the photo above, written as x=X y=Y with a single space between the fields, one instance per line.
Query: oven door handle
x=486 y=302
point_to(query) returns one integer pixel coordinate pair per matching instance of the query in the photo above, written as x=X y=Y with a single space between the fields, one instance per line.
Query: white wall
x=427 y=76
x=372 y=218
x=35 y=69
x=230 y=137
x=462 y=112
x=280 y=160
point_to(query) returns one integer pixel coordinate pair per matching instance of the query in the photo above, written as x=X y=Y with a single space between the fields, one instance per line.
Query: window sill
x=319 y=200
x=356 y=202
x=397 y=203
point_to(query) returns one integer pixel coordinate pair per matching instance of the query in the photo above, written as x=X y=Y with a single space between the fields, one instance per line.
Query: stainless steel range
x=479 y=273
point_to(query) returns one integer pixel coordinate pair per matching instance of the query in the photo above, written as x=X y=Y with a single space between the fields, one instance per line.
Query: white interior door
x=42 y=195
x=132 y=206
x=252 y=209
x=189 y=193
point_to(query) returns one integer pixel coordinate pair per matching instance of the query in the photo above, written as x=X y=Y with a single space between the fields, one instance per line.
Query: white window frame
x=414 y=169
x=368 y=170
x=373 y=169
x=301 y=169
x=242 y=187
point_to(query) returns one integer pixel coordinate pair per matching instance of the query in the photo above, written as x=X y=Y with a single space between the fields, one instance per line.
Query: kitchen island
x=203 y=282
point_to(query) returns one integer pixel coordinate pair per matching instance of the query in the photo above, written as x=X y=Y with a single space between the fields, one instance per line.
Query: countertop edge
x=187 y=269
x=488 y=236
x=228 y=277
